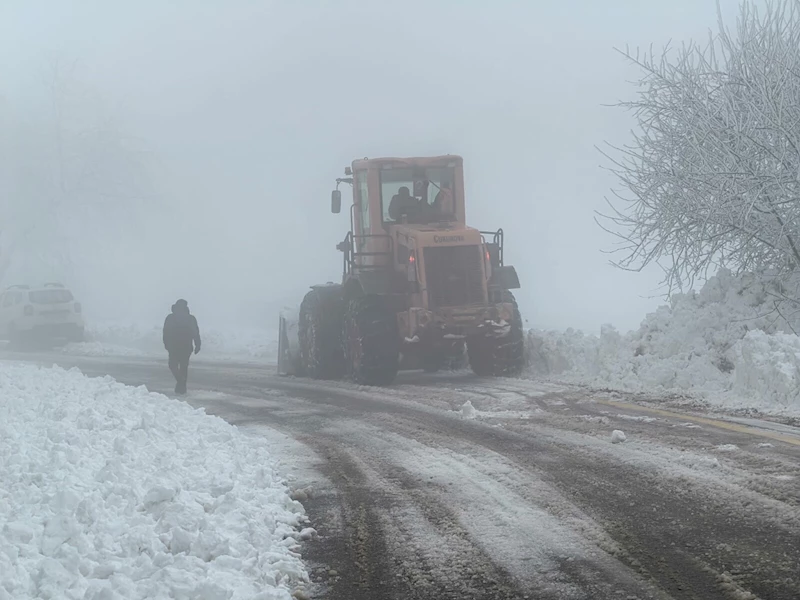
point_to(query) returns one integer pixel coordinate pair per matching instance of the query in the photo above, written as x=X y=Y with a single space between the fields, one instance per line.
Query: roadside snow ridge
x=109 y=491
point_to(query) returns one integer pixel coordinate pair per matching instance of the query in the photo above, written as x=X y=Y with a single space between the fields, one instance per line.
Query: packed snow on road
x=109 y=491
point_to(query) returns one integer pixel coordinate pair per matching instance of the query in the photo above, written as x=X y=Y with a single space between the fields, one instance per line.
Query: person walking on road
x=181 y=338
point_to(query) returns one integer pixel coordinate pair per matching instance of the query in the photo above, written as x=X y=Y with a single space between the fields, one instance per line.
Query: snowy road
x=450 y=486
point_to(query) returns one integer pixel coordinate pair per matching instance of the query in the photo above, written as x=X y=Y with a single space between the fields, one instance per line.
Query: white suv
x=43 y=313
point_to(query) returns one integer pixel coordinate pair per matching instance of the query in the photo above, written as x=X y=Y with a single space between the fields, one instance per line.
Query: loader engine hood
x=422 y=236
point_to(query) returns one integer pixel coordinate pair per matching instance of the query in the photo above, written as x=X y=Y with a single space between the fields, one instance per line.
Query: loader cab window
x=421 y=195
x=362 y=199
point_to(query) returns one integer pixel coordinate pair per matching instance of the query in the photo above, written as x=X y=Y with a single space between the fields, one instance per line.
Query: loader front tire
x=497 y=357
x=371 y=342
x=320 y=331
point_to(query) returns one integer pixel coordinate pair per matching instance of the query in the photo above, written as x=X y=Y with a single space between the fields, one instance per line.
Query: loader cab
x=415 y=191
x=395 y=201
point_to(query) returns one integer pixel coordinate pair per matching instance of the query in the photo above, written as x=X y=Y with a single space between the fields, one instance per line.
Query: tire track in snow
x=356 y=553
x=520 y=522
x=433 y=553
x=400 y=549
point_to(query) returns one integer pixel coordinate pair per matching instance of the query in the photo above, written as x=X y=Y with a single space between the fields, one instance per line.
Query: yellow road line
x=719 y=423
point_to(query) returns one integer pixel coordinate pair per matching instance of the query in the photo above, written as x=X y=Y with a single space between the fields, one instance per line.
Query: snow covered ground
x=731 y=344
x=126 y=339
x=109 y=491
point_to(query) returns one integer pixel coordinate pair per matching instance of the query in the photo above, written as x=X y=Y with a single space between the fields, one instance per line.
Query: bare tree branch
x=712 y=176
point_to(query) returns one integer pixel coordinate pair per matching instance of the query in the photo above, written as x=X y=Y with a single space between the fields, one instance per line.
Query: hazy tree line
x=74 y=183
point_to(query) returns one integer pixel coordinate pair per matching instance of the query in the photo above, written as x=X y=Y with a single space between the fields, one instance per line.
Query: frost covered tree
x=711 y=177
x=76 y=181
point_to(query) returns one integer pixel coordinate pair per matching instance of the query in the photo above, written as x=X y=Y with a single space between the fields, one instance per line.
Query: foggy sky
x=249 y=110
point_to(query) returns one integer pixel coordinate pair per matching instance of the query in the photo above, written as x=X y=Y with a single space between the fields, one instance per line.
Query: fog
x=202 y=139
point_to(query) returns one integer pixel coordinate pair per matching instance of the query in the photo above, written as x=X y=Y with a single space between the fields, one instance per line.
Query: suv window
x=50 y=296
x=8 y=300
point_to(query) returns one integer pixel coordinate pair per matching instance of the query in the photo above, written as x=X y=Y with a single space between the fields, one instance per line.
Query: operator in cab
x=404 y=204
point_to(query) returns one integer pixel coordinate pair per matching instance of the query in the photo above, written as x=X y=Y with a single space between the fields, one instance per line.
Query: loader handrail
x=498 y=239
x=351 y=254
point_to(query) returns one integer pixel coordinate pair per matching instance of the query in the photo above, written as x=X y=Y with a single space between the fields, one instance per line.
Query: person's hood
x=181 y=306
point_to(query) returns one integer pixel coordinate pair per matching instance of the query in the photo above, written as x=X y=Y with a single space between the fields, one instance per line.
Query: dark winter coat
x=181 y=331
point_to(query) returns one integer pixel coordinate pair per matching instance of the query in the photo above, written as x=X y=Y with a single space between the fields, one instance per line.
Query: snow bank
x=108 y=491
x=727 y=343
x=115 y=339
x=768 y=367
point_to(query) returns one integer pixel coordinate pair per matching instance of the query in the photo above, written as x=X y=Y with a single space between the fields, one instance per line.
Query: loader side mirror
x=336 y=202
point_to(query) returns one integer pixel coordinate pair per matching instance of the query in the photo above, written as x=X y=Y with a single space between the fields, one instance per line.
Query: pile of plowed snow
x=729 y=343
x=108 y=491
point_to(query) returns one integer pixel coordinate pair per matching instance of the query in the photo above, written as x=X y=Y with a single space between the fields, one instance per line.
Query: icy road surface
x=450 y=486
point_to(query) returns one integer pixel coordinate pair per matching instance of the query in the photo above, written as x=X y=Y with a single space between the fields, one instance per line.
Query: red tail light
x=412 y=267
x=78 y=307
x=28 y=311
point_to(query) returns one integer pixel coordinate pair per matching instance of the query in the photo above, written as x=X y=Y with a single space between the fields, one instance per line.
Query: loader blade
x=288 y=347
x=284 y=362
